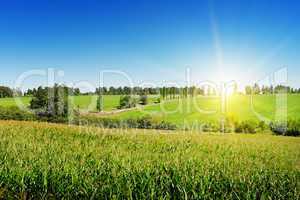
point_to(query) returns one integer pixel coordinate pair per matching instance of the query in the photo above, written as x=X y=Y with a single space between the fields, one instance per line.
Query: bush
x=246 y=127
x=127 y=102
x=145 y=122
x=144 y=99
x=291 y=128
x=15 y=113
x=262 y=125
x=157 y=100
x=210 y=127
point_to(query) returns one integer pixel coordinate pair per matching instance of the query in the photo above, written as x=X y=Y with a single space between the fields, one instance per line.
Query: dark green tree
x=51 y=102
x=127 y=102
x=248 y=90
x=144 y=99
x=5 y=92
x=100 y=100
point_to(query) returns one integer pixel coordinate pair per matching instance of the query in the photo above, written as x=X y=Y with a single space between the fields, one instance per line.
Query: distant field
x=11 y=101
x=87 y=102
x=84 y=102
x=202 y=108
x=48 y=161
x=206 y=108
x=111 y=102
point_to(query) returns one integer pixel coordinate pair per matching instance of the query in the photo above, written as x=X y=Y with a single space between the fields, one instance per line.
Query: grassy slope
x=111 y=102
x=90 y=102
x=85 y=103
x=239 y=107
x=40 y=160
x=11 y=102
x=178 y=112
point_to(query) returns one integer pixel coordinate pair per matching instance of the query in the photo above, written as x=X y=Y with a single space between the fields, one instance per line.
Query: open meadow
x=180 y=111
x=85 y=103
x=208 y=109
x=48 y=161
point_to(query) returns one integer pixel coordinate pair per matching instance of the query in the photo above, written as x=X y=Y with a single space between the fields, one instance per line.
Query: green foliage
x=40 y=99
x=76 y=91
x=157 y=100
x=248 y=90
x=43 y=161
x=186 y=110
x=5 y=92
x=14 y=113
x=246 y=126
x=127 y=102
x=289 y=128
x=51 y=102
x=256 y=89
x=144 y=99
x=100 y=103
x=145 y=122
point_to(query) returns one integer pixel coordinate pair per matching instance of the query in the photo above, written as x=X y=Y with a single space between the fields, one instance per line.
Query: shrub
x=246 y=127
x=144 y=99
x=163 y=125
x=14 y=113
x=145 y=122
x=127 y=102
x=262 y=125
x=291 y=128
x=210 y=127
x=157 y=100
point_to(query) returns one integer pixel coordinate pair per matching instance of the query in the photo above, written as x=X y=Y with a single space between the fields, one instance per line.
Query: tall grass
x=43 y=161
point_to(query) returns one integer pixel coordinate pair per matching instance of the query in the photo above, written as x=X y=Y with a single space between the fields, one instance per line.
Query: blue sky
x=152 y=41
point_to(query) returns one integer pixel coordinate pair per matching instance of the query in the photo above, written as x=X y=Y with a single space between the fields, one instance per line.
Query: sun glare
x=229 y=91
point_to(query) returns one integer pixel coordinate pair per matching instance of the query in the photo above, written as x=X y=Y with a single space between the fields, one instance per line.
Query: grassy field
x=41 y=161
x=84 y=102
x=206 y=108
x=11 y=101
x=202 y=108
x=89 y=102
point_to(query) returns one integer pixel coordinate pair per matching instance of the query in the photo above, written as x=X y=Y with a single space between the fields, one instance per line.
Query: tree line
x=183 y=92
x=71 y=91
x=8 y=92
x=164 y=92
x=256 y=89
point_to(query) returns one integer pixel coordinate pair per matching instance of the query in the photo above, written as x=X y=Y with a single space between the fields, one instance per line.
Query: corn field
x=47 y=161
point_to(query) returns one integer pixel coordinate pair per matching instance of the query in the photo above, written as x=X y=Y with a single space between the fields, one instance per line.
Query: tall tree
x=5 y=92
x=100 y=100
x=248 y=90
